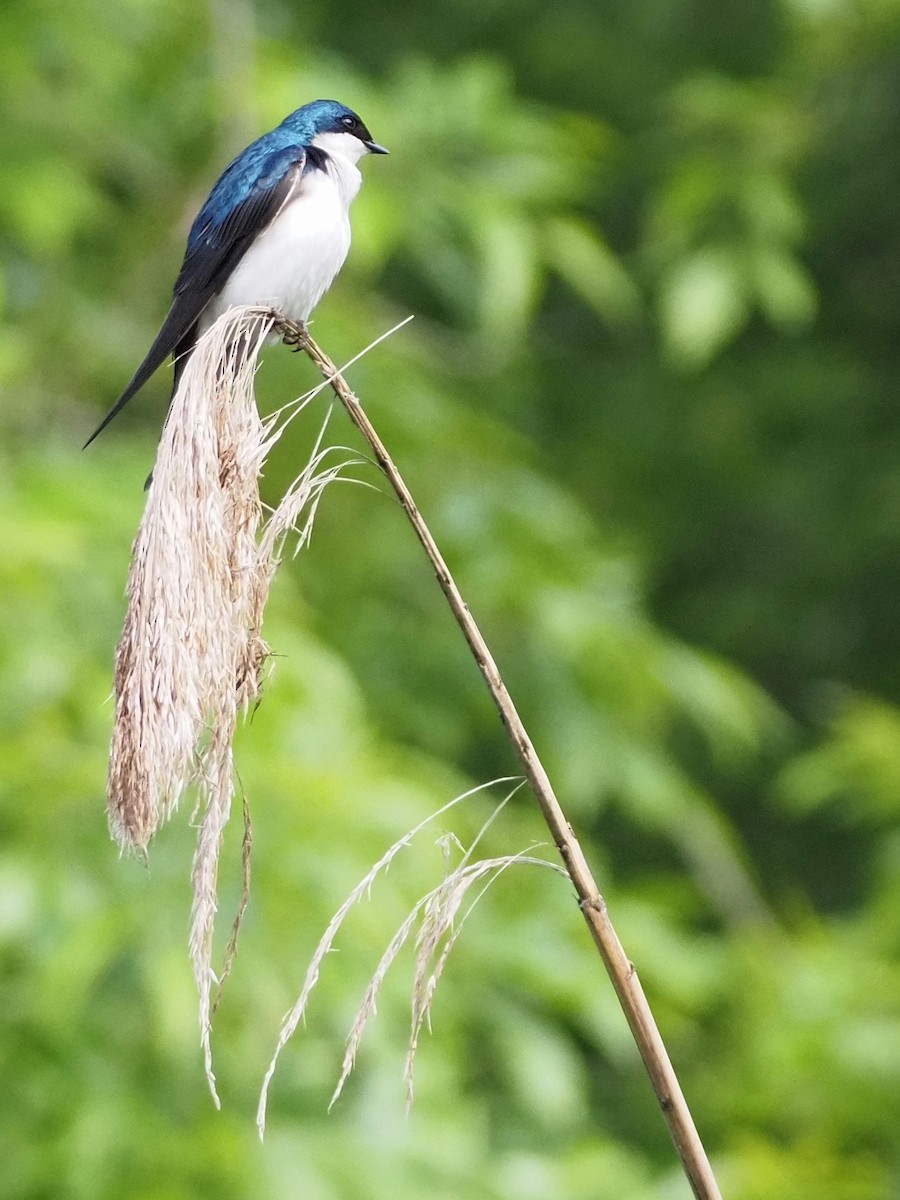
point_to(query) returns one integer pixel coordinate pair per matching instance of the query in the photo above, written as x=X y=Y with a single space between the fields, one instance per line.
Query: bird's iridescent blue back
x=264 y=162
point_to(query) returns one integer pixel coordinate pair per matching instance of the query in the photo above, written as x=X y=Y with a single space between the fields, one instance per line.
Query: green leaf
x=787 y=294
x=703 y=305
x=582 y=258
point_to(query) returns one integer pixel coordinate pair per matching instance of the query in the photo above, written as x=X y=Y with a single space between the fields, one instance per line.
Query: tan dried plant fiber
x=191 y=656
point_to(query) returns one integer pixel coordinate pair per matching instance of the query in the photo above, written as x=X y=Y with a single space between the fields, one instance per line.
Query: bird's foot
x=293 y=333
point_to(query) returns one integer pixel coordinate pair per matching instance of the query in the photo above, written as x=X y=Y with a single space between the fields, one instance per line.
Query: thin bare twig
x=593 y=907
x=231 y=948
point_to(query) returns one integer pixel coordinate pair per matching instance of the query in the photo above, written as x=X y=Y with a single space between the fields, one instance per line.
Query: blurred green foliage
x=649 y=405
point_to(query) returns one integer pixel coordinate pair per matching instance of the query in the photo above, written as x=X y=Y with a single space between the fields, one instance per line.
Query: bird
x=274 y=232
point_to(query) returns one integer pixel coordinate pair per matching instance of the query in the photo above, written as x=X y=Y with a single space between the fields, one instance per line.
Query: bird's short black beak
x=374 y=148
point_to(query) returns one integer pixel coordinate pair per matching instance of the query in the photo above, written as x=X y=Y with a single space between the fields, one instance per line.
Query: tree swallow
x=274 y=232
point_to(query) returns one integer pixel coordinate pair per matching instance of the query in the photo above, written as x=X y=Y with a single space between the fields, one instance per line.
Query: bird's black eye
x=348 y=122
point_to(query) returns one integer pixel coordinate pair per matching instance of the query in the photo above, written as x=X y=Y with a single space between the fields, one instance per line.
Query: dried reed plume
x=191 y=656
x=434 y=913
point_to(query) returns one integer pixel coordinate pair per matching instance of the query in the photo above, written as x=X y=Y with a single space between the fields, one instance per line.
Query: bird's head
x=335 y=128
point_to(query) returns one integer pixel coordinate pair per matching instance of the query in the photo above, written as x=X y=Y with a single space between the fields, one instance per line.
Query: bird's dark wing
x=247 y=198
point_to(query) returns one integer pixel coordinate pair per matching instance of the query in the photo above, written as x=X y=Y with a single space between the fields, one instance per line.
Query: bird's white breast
x=293 y=262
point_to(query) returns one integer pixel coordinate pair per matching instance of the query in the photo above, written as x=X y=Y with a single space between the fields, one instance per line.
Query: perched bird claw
x=293 y=333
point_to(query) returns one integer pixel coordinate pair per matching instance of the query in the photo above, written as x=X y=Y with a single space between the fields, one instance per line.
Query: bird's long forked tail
x=173 y=340
x=115 y=410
